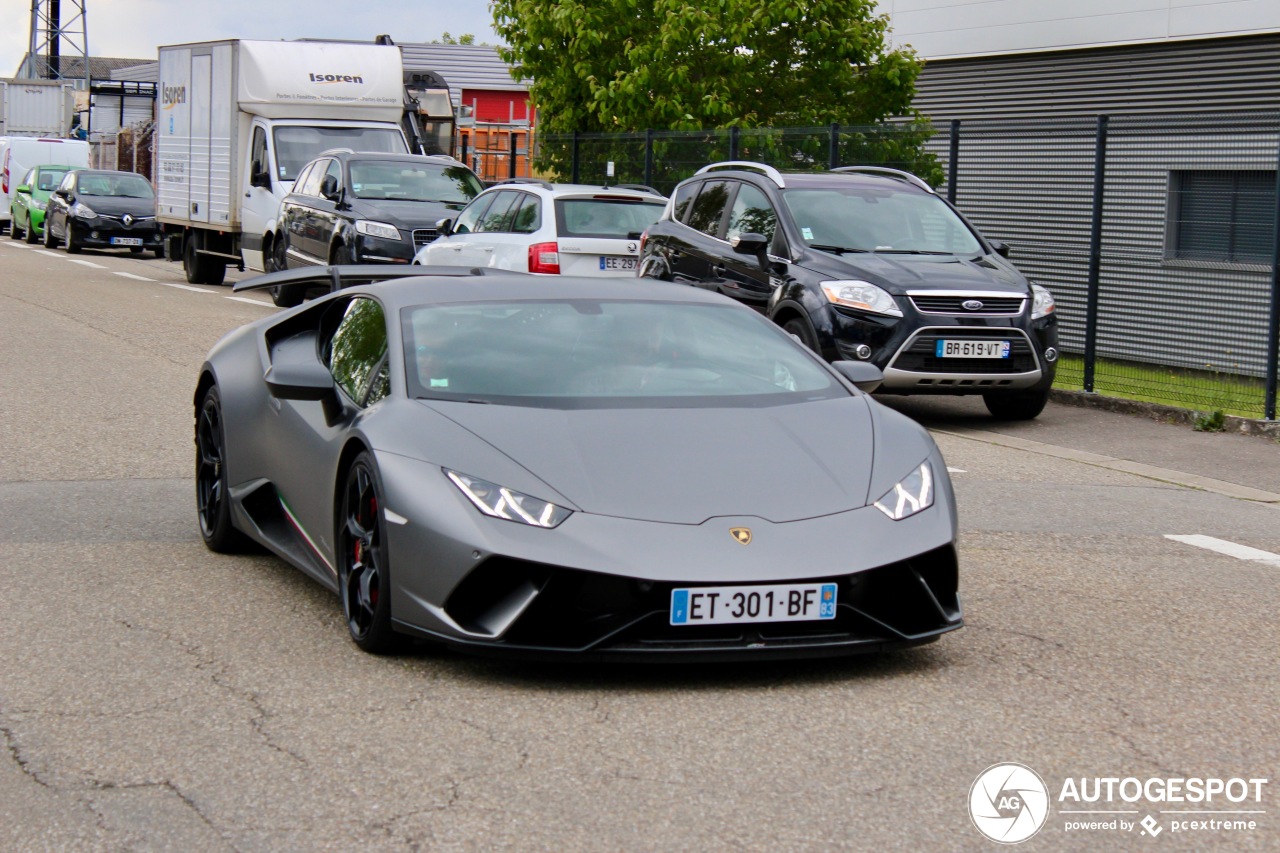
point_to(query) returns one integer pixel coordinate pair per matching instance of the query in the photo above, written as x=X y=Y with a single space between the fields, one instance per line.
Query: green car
x=30 y=200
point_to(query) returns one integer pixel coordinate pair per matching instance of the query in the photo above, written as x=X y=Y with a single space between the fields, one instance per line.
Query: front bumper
x=100 y=232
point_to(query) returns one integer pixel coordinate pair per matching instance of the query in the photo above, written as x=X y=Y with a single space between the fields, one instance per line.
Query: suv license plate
x=126 y=241
x=722 y=605
x=614 y=262
x=972 y=349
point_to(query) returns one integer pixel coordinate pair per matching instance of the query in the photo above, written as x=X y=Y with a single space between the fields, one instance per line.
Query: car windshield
x=606 y=217
x=879 y=219
x=49 y=179
x=119 y=186
x=389 y=179
x=296 y=146
x=607 y=354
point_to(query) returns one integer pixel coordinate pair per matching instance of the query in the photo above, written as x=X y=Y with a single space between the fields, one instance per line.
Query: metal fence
x=1158 y=235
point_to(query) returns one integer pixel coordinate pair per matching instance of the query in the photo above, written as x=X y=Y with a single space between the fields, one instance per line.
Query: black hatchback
x=865 y=264
x=103 y=209
x=366 y=208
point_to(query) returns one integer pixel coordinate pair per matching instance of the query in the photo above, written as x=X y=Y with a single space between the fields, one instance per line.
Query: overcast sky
x=134 y=28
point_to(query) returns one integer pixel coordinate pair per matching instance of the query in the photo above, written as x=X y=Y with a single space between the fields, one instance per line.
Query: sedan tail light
x=644 y=238
x=544 y=258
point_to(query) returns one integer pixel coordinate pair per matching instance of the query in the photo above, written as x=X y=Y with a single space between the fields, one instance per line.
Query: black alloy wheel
x=50 y=241
x=801 y=330
x=73 y=248
x=277 y=259
x=363 y=574
x=341 y=255
x=1016 y=405
x=213 y=506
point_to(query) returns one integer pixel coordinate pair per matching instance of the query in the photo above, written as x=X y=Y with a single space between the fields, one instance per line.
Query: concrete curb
x=1162 y=413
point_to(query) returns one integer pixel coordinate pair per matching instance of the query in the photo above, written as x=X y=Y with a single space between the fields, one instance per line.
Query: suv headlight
x=862 y=295
x=912 y=494
x=80 y=210
x=377 y=229
x=1041 y=302
x=501 y=502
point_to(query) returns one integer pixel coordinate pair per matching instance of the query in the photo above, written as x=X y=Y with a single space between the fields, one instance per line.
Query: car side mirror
x=24 y=189
x=1000 y=248
x=61 y=193
x=261 y=180
x=750 y=244
x=864 y=375
x=305 y=379
x=444 y=227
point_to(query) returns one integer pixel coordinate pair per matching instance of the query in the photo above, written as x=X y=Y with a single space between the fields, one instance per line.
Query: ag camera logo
x=1008 y=803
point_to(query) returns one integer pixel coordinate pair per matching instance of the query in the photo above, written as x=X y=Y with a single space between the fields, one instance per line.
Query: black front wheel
x=50 y=241
x=1016 y=405
x=363 y=573
x=800 y=329
x=213 y=506
x=15 y=233
x=73 y=248
x=31 y=236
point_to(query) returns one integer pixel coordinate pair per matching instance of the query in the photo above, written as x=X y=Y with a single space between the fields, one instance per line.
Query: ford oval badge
x=971 y=305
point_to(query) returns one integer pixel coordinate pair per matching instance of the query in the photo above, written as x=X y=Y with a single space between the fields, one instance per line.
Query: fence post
x=733 y=143
x=1273 y=333
x=512 y=169
x=953 y=165
x=833 y=147
x=648 y=157
x=573 y=170
x=1095 y=254
x=464 y=137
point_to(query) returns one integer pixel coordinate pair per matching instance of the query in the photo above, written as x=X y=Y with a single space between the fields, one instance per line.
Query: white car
x=528 y=225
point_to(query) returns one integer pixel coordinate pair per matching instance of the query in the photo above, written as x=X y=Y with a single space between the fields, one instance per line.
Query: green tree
x=624 y=65
x=446 y=38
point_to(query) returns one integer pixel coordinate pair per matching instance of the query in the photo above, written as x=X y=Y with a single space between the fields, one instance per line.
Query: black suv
x=366 y=208
x=865 y=264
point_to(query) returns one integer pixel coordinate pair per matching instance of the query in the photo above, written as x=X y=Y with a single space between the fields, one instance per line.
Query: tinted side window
x=358 y=345
x=471 y=215
x=708 y=208
x=302 y=178
x=528 y=217
x=258 y=154
x=682 y=200
x=751 y=214
x=496 y=216
x=314 y=177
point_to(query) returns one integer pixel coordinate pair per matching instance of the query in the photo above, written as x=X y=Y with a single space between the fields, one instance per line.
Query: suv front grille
x=1008 y=305
x=921 y=357
x=423 y=236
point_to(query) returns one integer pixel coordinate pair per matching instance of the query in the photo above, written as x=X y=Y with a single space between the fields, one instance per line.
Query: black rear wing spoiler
x=349 y=275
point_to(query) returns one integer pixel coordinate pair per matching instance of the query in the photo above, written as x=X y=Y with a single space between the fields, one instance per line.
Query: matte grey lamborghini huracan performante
x=592 y=468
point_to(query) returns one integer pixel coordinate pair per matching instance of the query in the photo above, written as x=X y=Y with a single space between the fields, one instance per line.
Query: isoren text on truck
x=236 y=121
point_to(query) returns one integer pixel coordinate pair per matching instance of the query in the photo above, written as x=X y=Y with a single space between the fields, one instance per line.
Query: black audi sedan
x=103 y=209
x=865 y=264
x=366 y=208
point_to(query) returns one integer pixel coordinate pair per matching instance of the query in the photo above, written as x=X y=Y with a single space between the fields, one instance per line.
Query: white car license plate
x=721 y=605
x=126 y=241
x=972 y=349
x=615 y=262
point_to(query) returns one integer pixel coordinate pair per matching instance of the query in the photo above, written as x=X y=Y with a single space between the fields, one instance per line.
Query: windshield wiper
x=909 y=252
x=839 y=250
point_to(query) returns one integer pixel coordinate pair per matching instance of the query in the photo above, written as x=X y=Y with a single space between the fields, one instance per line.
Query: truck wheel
x=201 y=269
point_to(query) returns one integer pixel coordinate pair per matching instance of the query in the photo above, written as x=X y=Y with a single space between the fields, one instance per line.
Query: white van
x=19 y=154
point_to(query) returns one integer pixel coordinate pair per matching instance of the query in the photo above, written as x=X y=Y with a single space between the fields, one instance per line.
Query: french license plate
x=722 y=605
x=615 y=262
x=126 y=241
x=972 y=349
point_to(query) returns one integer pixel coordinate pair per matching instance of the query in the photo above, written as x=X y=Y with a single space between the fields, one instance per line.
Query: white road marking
x=141 y=278
x=183 y=287
x=87 y=264
x=14 y=244
x=951 y=470
x=1231 y=549
x=250 y=301
x=50 y=253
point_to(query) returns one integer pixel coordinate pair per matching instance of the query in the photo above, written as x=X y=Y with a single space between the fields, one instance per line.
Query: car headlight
x=501 y=502
x=81 y=210
x=377 y=229
x=1041 y=302
x=862 y=295
x=38 y=204
x=912 y=494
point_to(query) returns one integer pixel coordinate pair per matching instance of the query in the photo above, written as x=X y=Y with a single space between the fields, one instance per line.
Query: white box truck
x=237 y=120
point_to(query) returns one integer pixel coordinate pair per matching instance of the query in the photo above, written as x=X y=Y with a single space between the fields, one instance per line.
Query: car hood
x=684 y=466
x=900 y=273
x=114 y=205
x=405 y=214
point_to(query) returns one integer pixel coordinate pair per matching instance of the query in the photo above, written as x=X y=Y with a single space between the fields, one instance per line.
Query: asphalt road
x=155 y=696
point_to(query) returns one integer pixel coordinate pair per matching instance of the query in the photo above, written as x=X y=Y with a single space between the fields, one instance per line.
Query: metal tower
x=58 y=32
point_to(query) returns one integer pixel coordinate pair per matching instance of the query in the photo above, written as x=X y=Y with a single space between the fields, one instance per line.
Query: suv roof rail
x=889 y=173
x=546 y=185
x=768 y=171
x=639 y=187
